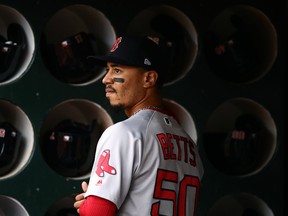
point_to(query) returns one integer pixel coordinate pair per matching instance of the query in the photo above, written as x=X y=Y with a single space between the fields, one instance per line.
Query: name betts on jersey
x=173 y=146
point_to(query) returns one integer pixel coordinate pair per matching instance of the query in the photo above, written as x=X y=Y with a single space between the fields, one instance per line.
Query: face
x=124 y=85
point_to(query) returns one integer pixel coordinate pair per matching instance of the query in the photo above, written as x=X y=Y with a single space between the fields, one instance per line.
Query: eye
x=117 y=71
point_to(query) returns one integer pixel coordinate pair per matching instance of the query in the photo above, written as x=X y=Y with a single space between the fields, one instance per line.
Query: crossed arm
x=93 y=205
x=79 y=198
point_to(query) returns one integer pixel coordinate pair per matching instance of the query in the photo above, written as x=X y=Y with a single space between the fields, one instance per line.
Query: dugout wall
x=226 y=86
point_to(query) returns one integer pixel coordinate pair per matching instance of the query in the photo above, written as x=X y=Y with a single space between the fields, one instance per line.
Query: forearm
x=97 y=206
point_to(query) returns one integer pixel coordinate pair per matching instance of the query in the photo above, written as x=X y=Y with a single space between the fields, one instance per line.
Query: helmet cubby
x=240 y=137
x=16 y=139
x=241 y=44
x=69 y=135
x=17 y=45
x=178 y=32
x=11 y=206
x=240 y=204
x=82 y=31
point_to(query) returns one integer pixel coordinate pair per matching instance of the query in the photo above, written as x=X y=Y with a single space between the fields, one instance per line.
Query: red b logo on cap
x=116 y=43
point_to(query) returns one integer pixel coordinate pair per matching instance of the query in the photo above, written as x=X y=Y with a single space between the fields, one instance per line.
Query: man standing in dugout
x=146 y=164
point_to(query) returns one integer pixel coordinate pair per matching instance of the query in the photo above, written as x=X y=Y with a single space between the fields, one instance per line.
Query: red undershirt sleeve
x=97 y=206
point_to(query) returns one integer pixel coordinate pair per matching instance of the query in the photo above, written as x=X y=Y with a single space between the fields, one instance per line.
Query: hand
x=79 y=199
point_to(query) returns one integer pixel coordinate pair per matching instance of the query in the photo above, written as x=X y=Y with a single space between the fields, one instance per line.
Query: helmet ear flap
x=11 y=51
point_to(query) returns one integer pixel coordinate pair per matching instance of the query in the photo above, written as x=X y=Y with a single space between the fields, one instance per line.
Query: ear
x=150 y=78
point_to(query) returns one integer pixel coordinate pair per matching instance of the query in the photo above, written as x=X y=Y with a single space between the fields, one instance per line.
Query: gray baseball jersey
x=147 y=165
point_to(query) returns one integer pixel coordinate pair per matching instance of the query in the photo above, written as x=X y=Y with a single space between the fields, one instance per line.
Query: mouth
x=109 y=91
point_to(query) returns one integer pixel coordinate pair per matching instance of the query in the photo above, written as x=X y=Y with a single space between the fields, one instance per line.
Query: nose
x=107 y=79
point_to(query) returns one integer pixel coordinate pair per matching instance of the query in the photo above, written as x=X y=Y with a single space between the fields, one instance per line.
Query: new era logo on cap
x=147 y=62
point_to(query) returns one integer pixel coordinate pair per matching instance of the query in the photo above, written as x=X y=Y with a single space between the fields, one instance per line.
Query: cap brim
x=97 y=60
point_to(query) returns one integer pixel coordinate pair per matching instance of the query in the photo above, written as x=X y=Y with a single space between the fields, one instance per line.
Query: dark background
x=200 y=92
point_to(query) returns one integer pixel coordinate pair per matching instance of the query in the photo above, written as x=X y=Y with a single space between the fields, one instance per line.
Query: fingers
x=78 y=203
x=79 y=198
x=84 y=186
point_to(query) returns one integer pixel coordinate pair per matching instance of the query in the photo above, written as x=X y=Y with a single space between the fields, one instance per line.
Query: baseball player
x=146 y=164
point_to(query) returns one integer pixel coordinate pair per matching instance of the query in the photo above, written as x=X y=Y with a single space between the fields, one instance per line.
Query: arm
x=93 y=205
x=97 y=206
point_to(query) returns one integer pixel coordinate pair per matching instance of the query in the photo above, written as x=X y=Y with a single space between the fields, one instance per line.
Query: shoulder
x=133 y=123
x=123 y=128
x=123 y=134
x=135 y=126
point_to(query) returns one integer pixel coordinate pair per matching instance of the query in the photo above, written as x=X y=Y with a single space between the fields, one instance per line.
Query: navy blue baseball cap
x=138 y=51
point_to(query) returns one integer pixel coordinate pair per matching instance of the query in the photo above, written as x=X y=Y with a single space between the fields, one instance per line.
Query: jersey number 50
x=179 y=208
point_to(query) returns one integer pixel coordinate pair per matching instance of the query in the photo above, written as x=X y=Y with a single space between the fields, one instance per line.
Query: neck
x=151 y=99
x=136 y=109
x=148 y=107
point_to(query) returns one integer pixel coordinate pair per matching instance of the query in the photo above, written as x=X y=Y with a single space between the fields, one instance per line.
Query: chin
x=116 y=107
x=114 y=104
